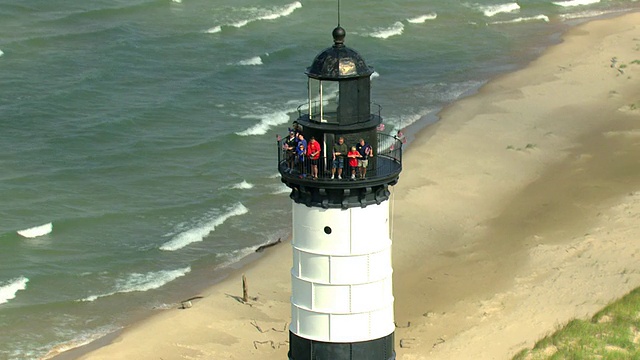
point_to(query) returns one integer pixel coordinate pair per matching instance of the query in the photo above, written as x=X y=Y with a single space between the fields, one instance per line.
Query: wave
x=572 y=3
x=256 y=60
x=8 y=291
x=267 y=121
x=396 y=29
x=215 y=29
x=198 y=234
x=78 y=341
x=281 y=189
x=260 y=14
x=36 y=231
x=588 y=14
x=1 y=53
x=522 y=19
x=400 y=123
x=421 y=19
x=143 y=282
x=493 y=10
x=235 y=256
x=242 y=185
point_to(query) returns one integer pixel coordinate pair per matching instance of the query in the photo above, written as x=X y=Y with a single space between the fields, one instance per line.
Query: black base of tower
x=305 y=349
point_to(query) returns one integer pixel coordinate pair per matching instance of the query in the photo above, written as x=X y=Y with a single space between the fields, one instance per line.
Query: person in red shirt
x=313 y=151
x=353 y=156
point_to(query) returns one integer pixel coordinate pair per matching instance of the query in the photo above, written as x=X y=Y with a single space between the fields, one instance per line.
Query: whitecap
x=36 y=231
x=8 y=290
x=572 y=3
x=421 y=19
x=281 y=11
x=256 y=60
x=374 y=75
x=493 y=10
x=242 y=185
x=396 y=29
x=1 y=53
x=267 y=14
x=137 y=282
x=215 y=29
x=267 y=121
x=544 y=18
x=282 y=189
x=177 y=1
x=201 y=231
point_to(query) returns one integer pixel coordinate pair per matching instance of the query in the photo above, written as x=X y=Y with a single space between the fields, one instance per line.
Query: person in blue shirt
x=366 y=151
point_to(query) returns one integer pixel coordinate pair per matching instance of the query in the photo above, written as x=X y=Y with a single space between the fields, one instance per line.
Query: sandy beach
x=515 y=213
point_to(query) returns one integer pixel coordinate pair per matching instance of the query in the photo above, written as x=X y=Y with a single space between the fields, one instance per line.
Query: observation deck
x=383 y=170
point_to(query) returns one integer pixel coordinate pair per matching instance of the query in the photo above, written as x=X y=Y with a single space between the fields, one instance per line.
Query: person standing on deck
x=313 y=151
x=339 y=154
x=366 y=151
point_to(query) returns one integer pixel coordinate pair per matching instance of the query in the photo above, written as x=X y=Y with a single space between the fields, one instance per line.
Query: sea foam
x=522 y=19
x=423 y=18
x=36 y=231
x=256 y=60
x=572 y=3
x=267 y=121
x=242 y=185
x=8 y=290
x=260 y=14
x=493 y=10
x=143 y=282
x=200 y=232
x=396 y=29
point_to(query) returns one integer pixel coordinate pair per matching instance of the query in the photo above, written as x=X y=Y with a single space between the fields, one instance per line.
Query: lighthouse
x=341 y=278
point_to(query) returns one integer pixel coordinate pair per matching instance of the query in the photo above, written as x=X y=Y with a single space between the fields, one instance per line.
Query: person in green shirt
x=339 y=153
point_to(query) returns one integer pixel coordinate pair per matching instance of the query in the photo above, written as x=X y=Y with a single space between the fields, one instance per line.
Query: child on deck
x=353 y=156
x=300 y=155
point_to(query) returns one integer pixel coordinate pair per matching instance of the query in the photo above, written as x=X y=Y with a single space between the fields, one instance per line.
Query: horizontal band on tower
x=376 y=349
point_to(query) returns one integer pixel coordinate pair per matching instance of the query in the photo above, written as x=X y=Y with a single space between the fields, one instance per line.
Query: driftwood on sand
x=262 y=247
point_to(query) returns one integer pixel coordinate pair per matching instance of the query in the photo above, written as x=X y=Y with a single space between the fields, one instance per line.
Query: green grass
x=611 y=334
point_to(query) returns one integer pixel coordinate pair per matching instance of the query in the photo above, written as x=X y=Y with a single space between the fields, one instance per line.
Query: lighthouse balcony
x=382 y=169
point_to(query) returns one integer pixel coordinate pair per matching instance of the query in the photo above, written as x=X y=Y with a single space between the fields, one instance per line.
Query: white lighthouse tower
x=341 y=279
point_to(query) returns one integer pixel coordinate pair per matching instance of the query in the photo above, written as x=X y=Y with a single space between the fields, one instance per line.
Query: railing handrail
x=385 y=163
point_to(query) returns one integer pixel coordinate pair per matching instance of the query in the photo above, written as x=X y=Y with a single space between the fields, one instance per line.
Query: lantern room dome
x=338 y=61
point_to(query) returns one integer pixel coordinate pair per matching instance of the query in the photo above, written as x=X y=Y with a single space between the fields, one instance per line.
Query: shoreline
x=472 y=207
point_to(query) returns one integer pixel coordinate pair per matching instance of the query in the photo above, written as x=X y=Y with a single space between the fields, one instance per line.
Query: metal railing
x=385 y=163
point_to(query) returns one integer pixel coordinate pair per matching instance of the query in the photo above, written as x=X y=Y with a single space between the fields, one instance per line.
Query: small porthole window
x=327 y=230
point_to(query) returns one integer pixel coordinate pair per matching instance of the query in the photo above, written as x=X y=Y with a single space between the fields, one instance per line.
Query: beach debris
x=269 y=342
x=187 y=303
x=406 y=343
x=402 y=327
x=262 y=247
x=245 y=289
x=284 y=327
x=36 y=231
x=438 y=342
x=255 y=324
